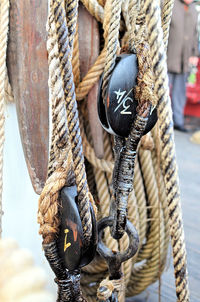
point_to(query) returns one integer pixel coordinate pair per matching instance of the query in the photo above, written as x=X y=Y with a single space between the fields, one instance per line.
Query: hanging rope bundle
x=142 y=183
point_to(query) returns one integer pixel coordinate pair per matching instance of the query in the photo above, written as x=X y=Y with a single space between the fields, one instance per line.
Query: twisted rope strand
x=166 y=19
x=111 y=40
x=59 y=135
x=84 y=197
x=168 y=158
x=95 y=9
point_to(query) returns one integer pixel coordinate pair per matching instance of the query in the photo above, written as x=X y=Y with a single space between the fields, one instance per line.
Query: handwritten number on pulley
x=66 y=245
x=122 y=99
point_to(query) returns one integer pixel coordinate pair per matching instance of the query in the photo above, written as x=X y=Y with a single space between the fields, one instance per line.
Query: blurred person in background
x=182 y=50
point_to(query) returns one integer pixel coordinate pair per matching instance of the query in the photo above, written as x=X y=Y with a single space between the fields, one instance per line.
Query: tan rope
x=75 y=59
x=9 y=97
x=91 y=77
x=59 y=124
x=148 y=272
x=48 y=203
x=111 y=32
x=102 y=2
x=95 y=9
x=166 y=19
x=4 y=21
x=60 y=160
x=110 y=286
x=147 y=206
x=70 y=153
x=168 y=158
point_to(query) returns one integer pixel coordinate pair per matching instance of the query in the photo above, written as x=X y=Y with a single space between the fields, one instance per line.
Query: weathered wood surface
x=28 y=72
x=89 y=50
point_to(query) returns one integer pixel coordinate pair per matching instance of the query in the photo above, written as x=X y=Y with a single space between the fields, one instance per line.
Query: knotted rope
x=4 y=21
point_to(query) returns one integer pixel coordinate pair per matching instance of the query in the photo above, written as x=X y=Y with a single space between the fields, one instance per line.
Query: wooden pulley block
x=28 y=73
x=118 y=111
x=70 y=241
x=89 y=41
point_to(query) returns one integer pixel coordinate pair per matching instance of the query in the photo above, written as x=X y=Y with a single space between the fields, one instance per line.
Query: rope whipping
x=4 y=22
x=147 y=207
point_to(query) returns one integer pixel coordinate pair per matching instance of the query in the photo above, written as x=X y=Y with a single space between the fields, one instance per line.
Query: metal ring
x=107 y=253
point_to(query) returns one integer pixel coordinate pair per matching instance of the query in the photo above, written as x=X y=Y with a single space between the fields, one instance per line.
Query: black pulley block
x=118 y=111
x=70 y=242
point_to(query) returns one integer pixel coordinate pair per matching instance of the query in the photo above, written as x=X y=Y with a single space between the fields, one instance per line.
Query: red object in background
x=192 y=107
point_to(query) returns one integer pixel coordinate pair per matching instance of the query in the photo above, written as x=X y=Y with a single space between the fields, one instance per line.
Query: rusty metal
x=115 y=258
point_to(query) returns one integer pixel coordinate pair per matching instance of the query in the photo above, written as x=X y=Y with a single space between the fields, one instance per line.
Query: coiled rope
x=151 y=205
x=4 y=21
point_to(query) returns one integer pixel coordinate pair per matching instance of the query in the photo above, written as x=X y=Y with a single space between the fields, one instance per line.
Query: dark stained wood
x=28 y=72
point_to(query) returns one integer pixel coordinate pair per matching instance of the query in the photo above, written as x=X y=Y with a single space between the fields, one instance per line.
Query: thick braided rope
x=60 y=160
x=168 y=158
x=59 y=122
x=148 y=272
x=102 y=164
x=75 y=59
x=71 y=8
x=95 y=9
x=48 y=204
x=166 y=19
x=91 y=77
x=111 y=36
x=4 y=21
x=133 y=8
x=102 y=2
x=84 y=196
x=160 y=182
